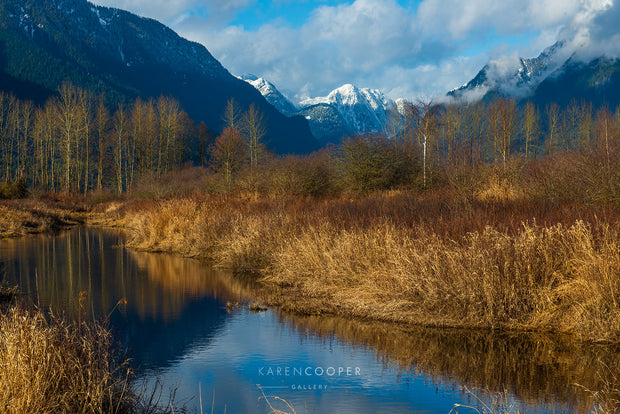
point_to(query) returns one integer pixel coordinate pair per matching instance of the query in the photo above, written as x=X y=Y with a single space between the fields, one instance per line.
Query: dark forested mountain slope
x=45 y=42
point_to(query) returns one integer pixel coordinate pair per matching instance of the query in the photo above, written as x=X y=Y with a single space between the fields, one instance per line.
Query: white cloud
x=173 y=12
x=474 y=18
x=163 y=10
x=380 y=44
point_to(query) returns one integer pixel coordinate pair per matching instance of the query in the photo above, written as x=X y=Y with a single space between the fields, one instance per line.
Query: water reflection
x=170 y=303
x=537 y=369
x=175 y=324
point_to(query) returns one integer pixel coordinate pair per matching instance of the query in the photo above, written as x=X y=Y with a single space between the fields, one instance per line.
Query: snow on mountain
x=513 y=75
x=271 y=94
x=359 y=110
x=347 y=110
x=560 y=74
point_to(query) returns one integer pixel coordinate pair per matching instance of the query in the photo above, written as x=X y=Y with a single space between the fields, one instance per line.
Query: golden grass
x=407 y=257
x=23 y=217
x=51 y=365
x=558 y=278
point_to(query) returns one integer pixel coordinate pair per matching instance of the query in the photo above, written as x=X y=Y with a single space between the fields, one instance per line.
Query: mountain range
x=557 y=75
x=345 y=111
x=46 y=42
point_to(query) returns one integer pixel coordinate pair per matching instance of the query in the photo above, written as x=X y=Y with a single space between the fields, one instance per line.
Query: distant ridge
x=556 y=75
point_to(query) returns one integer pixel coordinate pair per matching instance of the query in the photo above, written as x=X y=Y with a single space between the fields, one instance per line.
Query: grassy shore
x=525 y=244
x=29 y=216
x=51 y=365
x=501 y=259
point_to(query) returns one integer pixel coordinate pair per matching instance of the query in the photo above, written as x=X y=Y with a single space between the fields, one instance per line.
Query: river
x=173 y=317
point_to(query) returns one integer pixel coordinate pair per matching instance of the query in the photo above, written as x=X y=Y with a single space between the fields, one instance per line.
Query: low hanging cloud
x=591 y=32
x=596 y=32
x=404 y=51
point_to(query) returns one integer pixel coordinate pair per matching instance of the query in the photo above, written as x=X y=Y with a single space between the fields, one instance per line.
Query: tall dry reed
x=50 y=365
x=558 y=278
x=412 y=257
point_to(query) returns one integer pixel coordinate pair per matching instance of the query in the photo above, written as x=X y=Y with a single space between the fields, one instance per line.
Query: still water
x=176 y=327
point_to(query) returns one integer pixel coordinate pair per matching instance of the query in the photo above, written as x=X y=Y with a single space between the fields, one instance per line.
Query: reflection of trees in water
x=54 y=270
x=536 y=368
x=172 y=303
x=178 y=275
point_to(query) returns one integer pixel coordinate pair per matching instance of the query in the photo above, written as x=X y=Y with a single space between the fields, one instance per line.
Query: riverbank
x=422 y=258
x=30 y=216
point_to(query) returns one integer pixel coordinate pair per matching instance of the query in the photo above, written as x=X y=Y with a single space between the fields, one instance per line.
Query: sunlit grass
x=51 y=365
x=408 y=257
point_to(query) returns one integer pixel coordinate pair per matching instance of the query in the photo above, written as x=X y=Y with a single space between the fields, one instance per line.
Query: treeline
x=75 y=144
x=424 y=142
x=465 y=132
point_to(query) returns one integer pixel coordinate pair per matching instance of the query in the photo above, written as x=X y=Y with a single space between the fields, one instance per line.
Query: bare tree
x=232 y=114
x=253 y=128
x=229 y=152
x=27 y=119
x=531 y=120
x=552 y=111
x=169 y=132
x=68 y=115
x=508 y=126
x=425 y=119
x=86 y=120
x=120 y=131
x=102 y=121
x=585 y=123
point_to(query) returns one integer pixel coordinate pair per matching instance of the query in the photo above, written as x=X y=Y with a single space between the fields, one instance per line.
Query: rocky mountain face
x=346 y=111
x=45 y=42
x=351 y=110
x=511 y=76
x=596 y=81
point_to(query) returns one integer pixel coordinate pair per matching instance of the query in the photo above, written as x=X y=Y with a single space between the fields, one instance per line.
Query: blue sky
x=409 y=49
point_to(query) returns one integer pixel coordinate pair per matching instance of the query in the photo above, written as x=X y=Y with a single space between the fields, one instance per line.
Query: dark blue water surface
x=170 y=314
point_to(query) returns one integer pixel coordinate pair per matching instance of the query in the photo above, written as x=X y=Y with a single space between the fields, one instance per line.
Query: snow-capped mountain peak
x=349 y=110
x=345 y=111
x=512 y=75
x=345 y=95
x=271 y=94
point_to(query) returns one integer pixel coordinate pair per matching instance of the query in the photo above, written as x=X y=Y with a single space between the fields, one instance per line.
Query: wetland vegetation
x=478 y=216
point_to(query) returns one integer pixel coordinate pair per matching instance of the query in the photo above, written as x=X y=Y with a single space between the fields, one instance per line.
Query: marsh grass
x=411 y=257
x=51 y=365
x=23 y=217
x=499 y=403
x=607 y=397
x=275 y=404
x=525 y=244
